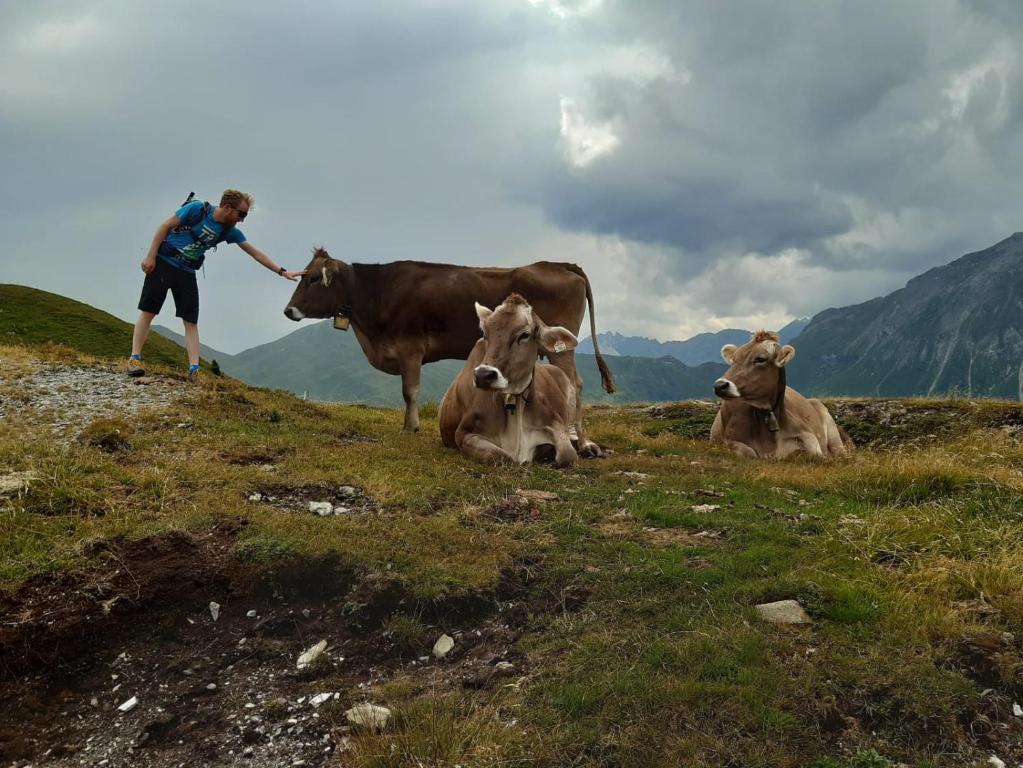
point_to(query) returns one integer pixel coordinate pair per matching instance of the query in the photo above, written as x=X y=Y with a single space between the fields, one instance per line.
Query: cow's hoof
x=590 y=450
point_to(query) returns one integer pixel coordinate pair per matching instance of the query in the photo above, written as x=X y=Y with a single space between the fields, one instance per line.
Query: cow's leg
x=410 y=373
x=479 y=448
x=566 y=362
x=741 y=449
x=564 y=452
x=807 y=441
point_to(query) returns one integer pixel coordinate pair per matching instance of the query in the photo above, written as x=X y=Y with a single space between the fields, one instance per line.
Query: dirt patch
x=131 y=664
x=321 y=499
x=514 y=509
x=252 y=456
x=349 y=436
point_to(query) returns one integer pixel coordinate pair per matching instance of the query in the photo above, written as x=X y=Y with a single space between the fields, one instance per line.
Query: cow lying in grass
x=504 y=405
x=760 y=415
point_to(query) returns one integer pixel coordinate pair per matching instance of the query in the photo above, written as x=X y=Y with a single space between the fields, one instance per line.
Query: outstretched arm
x=267 y=262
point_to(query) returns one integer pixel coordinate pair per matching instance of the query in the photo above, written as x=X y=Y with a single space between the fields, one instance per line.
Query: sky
x=709 y=164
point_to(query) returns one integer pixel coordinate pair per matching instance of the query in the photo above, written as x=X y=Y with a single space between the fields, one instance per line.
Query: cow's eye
x=524 y=336
x=759 y=360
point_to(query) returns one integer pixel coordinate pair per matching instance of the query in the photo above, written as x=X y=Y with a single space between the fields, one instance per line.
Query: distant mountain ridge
x=956 y=329
x=701 y=348
x=330 y=365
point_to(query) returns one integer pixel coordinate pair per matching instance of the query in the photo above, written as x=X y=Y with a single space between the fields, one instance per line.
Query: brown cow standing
x=407 y=313
x=760 y=415
x=504 y=405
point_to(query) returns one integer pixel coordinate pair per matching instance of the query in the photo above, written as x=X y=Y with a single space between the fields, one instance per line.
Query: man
x=177 y=251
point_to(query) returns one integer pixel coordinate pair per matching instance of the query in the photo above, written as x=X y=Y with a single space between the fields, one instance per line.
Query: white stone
x=504 y=665
x=369 y=715
x=706 y=507
x=256 y=497
x=1017 y=710
x=321 y=508
x=443 y=646
x=339 y=510
x=251 y=614
x=783 y=612
x=996 y=762
x=129 y=705
x=310 y=656
x=320 y=698
x=215 y=610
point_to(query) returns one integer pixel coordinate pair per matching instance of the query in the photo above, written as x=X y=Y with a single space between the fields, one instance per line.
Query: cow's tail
x=605 y=373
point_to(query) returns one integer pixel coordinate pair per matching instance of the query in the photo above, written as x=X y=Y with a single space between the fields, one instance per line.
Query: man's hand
x=293 y=275
x=148 y=264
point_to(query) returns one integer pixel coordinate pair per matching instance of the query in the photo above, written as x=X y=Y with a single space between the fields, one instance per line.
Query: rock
x=309 y=657
x=256 y=497
x=1017 y=710
x=504 y=666
x=129 y=705
x=211 y=687
x=321 y=698
x=321 y=508
x=534 y=495
x=348 y=491
x=633 y=475
x=215 y=610
x=15 y=482
x=339 y=510
x=369 y=716
x=705 y=507
x=443 y=646
x=783 y=612
x=996 y=761
x=251 y=614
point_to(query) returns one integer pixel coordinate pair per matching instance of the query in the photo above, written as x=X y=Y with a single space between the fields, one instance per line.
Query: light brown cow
x=504 y=405
x=408 y=313
x=760 y=415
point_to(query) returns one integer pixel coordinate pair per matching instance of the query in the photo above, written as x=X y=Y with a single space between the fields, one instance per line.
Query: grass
x=32 y=318
x=645 y=650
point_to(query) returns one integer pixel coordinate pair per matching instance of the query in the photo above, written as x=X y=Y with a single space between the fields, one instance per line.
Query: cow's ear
x=728 y=353
x=483 y=313
x=557 y=339
x=785 y=355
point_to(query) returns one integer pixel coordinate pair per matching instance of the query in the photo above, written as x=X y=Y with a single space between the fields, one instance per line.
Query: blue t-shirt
x=187 y=249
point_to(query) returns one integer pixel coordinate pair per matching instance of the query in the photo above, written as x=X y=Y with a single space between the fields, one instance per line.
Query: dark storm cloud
x=828 y=150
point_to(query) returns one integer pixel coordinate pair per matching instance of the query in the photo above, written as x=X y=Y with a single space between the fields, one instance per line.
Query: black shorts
x=181 y=284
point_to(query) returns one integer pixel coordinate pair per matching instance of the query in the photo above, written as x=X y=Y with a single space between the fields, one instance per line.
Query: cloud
x=707 y=164
x=585 y=141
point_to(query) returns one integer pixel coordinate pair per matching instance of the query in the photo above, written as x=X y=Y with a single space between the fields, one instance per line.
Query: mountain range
x=701 y=348
x=956 y=329
x=328 y=364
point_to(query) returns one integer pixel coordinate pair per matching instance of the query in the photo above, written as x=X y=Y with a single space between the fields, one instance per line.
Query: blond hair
x=232 y=198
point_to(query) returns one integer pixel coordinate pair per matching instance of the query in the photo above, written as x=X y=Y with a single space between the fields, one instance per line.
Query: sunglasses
x=241 y=214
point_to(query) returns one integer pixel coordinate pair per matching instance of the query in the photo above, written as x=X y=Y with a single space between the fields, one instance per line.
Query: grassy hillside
x=29 y=316
x=612 y=626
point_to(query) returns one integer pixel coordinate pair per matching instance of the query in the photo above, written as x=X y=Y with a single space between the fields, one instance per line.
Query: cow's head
x=322 y=291
x=514 y=336
x=757 y=371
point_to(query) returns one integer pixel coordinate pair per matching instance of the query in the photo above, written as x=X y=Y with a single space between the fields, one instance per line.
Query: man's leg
x=141 y=332
x=192 y=343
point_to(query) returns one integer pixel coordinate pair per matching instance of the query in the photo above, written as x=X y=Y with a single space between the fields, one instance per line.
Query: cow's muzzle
x=726 y=389
x=488 y=377
x=293 y=313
